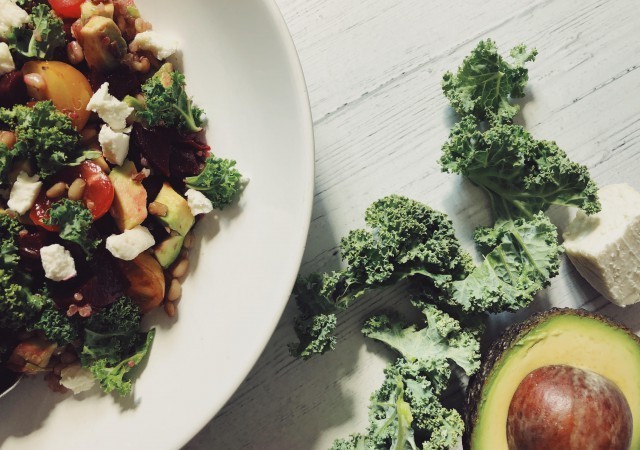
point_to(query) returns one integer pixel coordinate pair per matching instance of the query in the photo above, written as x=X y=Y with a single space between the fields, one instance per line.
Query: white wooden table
x=373 y=69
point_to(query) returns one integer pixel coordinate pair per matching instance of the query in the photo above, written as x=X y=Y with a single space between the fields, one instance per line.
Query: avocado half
x=570 y=337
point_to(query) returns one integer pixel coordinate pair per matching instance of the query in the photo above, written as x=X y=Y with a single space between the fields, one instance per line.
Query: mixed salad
x=104 y=172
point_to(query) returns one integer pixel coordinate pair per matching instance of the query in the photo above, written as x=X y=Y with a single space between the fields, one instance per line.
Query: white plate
x=242 y=68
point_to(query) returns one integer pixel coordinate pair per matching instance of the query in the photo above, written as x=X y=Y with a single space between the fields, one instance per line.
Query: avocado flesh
x=558 y=337
x=179 y=217
x=168 y=250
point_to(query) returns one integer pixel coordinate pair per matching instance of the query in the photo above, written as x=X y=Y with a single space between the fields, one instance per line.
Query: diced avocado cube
x=168 y=250
x=179 y=217
x=129 y=207
x=102 y=42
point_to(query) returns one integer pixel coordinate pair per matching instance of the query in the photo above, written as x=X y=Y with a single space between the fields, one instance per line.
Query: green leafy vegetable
x=19 y=306
x=43 y=133
x=56 y=326
x=485 y=82
x=167 y=103
x=522 y=176
x=42 y=37
x=219 y=181
x=407 y=239
x=7 y=156
x=74 y=220
x=407 y=412
x=117 y=377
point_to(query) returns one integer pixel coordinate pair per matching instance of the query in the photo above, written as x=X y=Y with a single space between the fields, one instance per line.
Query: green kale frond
x=41 y=37
x=7 y=156
x=167 y=103
x=75 y=221
x=44 y=134
x=56 y=325
x=485 y=82
x=522 y=176
x=219 y=181
x=405 y=239
x=117 y=376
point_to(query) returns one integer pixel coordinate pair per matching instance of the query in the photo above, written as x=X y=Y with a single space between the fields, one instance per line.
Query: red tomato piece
x=69 y=9
x=97 y=197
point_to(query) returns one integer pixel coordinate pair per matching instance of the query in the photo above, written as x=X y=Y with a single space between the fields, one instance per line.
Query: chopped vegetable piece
x=219 y=181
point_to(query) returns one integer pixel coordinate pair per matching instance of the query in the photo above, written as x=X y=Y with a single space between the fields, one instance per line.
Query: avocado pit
x=559 y=407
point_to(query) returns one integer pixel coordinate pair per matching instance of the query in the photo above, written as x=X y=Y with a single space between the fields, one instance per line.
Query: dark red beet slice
x=122 y=82
x=154 y=145
x=13 y=91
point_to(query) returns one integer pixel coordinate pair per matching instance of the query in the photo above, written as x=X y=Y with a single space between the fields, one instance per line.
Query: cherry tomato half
x=97 y=197
x=69 y=9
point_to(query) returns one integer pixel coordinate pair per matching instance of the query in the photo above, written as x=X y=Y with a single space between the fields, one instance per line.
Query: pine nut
x=103 y=164
x=36 y=81
x=57 y=190
x=76 y=190
x=188 y=241
x=8 y=138
x=170 y=309
x=180 y=269
x=175 y=291
x=141 y=65
x=75 y=53
x=158 y=209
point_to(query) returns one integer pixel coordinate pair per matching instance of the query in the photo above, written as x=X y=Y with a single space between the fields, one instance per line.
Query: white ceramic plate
x=242 y=68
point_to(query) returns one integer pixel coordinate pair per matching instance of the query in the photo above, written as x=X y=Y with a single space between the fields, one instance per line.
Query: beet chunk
x=154 y=145
x=13 y=91
x=122 y=81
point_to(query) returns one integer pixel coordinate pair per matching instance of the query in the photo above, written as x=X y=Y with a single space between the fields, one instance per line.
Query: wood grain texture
x=374 y=70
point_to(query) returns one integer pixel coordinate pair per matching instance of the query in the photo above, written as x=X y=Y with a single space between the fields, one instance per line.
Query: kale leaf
x=219 y=181
x=167 y=103
x=75 y=221
x=41 y=37
x=522 y=176
x=45 y=134
x=485 y=82
x=56 y=325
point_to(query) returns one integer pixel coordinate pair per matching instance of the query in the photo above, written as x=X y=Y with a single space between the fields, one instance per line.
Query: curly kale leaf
x=117 y=376
x=111 y=334
x=41 y=37
x=485 y=82
x=7 y=156
x=406 y=239
x=44 y=134
x=167 y=103
x=219 y=181
x=406 y=412
x=75 y=221
x=523 y=176
x=56 y=326
x=19 y=306
x=442 y=338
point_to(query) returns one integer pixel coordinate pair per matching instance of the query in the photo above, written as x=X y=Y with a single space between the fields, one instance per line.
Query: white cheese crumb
x=605 y=247
x=110 y=109
x=77 y=378
x=11 y=16
x=198 y=202
x=152 y=41
x=6 y=60
x=115 y=144
x=131 y=243
x=57 y=262
x=24 y=193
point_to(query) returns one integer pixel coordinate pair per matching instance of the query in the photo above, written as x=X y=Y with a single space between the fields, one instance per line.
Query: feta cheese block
x=605 y=247
x=198 y=202
x=77 y=378
x=115 y=144
x=24 y=193
x=11 y=16
x=110 y=109
x=6 y=60
x=160 y=45
x=57 y=263
x=131 y=243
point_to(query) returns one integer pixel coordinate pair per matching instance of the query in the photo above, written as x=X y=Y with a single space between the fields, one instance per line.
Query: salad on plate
x=104 y=171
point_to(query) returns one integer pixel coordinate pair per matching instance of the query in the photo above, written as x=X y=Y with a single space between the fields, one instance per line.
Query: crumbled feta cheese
x=6 y=60
x=57 y=263
x=77 y=378
x=110 y=109
x=605 y=247
x=11 y=16
x=115 y=145
x=198 y=203
x=160 y=45
x=24 y=193
x=131 y=243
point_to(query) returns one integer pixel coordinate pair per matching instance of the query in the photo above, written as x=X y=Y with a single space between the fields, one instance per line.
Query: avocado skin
x=501 y=347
